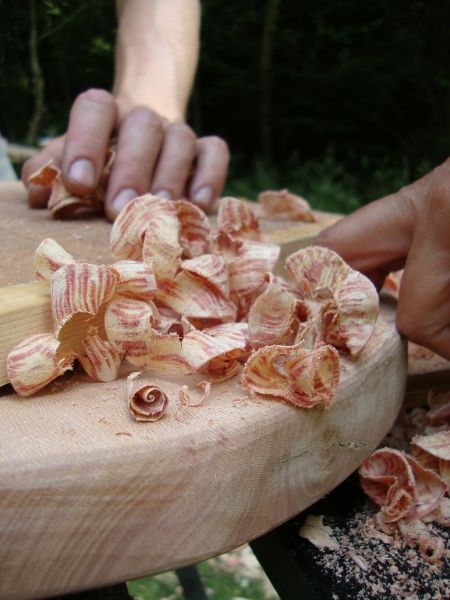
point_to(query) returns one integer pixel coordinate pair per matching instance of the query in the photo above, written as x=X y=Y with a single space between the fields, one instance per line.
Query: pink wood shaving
x=185 y=395
x=194 y=297
x=195 y=232
x=284 y=205
x=248 y=270
x=80 y=288
x=128 y=230
x=35 y=362
x=128 y=322
x=136 y=279
x=161 y=240
x=271 y=317
x=163 y=354
x=350 y=301
x=213 y=269
x=200 y=348
x=101 y=360
x=146 y=401
x=300 y=376
x=62 y=203
x=397 y=483
x=50 y=257
x=433 y=452
x=237 y=220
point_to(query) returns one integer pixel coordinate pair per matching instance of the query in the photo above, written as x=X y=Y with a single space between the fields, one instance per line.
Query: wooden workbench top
x=90 y=497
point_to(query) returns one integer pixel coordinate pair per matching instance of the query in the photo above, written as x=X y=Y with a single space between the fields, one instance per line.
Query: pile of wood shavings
x=362 y=566
x=187 y=298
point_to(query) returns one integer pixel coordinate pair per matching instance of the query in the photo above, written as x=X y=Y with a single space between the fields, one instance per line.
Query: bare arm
x=156 y=55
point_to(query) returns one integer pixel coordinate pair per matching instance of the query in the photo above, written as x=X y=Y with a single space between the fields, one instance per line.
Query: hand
x=412 y=229
x=152 y=156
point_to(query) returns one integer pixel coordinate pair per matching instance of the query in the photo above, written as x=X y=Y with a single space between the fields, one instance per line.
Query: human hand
x=152 y=156
x=412 y=229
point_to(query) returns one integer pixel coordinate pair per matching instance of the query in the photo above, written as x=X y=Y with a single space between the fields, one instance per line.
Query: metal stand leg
x=191 y=583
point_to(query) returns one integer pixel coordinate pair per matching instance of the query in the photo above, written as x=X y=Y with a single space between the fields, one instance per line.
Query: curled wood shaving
x=284 y=205
x=271 y=317
x=35 y=362
x=135 y=279
x=102 y=359
x=185 y=395
x=433 y=452
x=62 y=203
x=302 y=377
x=236 y=220
x=314 y=530
x=400 y=486
x=79 y=288
x=50 y=257
x=349 y=300
x=146 y=402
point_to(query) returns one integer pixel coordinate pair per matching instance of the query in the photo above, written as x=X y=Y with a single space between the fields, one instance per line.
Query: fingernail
x=164 y=194
x=203 y=197
x=123 y=198
x=83 y=171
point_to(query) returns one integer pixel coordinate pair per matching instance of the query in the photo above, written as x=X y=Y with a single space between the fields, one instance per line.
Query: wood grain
x=88 y=497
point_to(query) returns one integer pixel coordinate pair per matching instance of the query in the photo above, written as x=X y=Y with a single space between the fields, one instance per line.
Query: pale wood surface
x=89 y=497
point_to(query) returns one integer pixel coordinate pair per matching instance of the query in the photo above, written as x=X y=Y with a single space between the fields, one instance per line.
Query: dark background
x=340 y=100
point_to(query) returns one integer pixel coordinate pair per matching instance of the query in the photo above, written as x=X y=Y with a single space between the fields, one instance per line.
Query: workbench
x=88 y=497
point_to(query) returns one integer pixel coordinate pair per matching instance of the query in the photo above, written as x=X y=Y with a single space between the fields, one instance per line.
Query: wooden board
x=89 y=497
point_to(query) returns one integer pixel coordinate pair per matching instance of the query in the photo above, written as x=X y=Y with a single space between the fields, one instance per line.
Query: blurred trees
x=285 y=78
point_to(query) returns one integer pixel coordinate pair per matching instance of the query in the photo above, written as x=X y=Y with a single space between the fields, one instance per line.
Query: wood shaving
x=317 y=533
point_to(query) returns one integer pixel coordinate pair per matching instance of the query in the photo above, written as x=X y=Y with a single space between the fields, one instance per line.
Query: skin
x=156 y=57
x=409 y=229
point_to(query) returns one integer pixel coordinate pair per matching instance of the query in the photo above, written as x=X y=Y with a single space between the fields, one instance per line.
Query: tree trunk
x=267 y=51
x=37 y=78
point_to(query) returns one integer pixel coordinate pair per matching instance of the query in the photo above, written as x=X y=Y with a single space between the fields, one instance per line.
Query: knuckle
x=146 y=118
x=96 y=96
x=214 y=141
x=439 y=200
x=182 y=131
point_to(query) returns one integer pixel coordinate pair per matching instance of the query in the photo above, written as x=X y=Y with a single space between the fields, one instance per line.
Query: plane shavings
x=62 y=203
x=319 y=534
x=282 y=204
x=146 y=401
x=412 y=492
x=185 y=298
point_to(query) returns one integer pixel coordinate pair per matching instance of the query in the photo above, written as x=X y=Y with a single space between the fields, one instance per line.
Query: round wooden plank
x=89 y=497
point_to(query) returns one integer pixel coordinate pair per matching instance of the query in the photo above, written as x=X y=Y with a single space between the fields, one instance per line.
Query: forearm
x=156 y=55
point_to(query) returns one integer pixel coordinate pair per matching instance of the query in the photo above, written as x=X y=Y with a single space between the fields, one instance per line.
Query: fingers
x=92 y=120
x=207 y=184
x=140 y=138
x=175 y=161
x=423 y=312
x=38 y=195
x=375 y=235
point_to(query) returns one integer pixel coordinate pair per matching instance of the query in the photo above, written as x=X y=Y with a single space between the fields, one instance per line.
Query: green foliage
x=219 y=584
x=325 y=182
x=369 y=79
